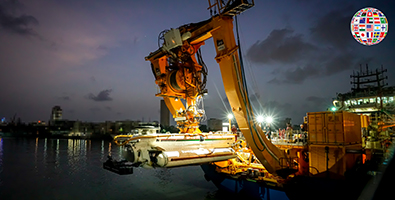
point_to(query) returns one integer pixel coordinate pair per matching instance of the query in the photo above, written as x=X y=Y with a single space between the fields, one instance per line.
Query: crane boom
x=179 y=75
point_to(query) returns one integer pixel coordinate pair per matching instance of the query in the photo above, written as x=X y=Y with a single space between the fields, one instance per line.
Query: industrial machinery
x=181 y=75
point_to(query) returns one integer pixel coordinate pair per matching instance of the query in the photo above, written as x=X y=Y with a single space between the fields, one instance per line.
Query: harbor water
x=43 y=168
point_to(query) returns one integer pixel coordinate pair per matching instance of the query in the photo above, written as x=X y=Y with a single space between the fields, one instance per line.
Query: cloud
x=102 y=96
x=64 y=98
x=328 y=51
x=334 y=28
x=16 y=24
x=281 y=46
x=277 y=105
x=102 y=48
x=316 y=100
x=254 y=97
x=94 y=109
x=298 y=75
x=92 y=79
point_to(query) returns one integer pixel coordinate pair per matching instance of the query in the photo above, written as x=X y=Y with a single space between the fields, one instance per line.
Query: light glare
x=269 y=119
x=230 y=116
x=260 y=118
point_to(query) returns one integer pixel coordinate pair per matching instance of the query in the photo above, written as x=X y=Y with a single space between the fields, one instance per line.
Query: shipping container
x=339 y=160
x=364 y=121
x=338 y=128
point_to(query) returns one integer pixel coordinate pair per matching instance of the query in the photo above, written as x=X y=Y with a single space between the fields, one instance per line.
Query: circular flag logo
x=369 y=26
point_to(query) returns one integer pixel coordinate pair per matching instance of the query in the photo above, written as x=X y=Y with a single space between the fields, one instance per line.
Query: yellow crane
x=180 y=75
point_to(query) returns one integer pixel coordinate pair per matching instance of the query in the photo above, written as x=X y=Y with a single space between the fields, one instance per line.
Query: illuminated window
x=365 y=100
x=348 y=102
x=360 y=101
x=378 y=99
x=371 y=100
x=390 y=99
x=354 y=102
x=384 y=99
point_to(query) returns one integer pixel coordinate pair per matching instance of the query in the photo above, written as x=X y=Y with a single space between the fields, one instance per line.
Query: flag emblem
x=363 y=35
x=376 y=27
x=362 y=27
x=383 y=27
x=356 y=20
x=369 y=26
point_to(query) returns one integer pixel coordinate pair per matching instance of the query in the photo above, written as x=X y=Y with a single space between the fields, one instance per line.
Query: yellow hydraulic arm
x=179 y=75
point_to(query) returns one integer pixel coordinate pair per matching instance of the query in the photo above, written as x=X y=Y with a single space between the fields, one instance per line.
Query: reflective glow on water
x=57 y=154
x=72 y=169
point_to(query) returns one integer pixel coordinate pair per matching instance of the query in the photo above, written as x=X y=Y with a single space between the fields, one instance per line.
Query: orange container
x=364 y=121
x=338 y=128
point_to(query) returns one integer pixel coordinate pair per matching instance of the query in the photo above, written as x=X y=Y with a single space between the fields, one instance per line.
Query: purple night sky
x=87 y=56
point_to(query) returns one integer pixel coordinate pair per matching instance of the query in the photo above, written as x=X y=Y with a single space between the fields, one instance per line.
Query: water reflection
x=57 y=161
x=35 y=154
x=76 y=151
x=45 y=149
x=164 y=175
x=72 y=169
x=102 y=149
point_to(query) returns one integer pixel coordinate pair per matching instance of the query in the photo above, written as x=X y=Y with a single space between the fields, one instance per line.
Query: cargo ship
x=331 y=159
x=373 y=98
x=345 y=148
x=327 y=160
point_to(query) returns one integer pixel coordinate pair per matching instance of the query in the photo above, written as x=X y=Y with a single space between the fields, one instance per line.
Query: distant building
x=64 y=127
x=56 y=114
x=164 y=114
x=214 y=124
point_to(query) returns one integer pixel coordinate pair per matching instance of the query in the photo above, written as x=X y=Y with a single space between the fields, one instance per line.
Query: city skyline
x=88 y=56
